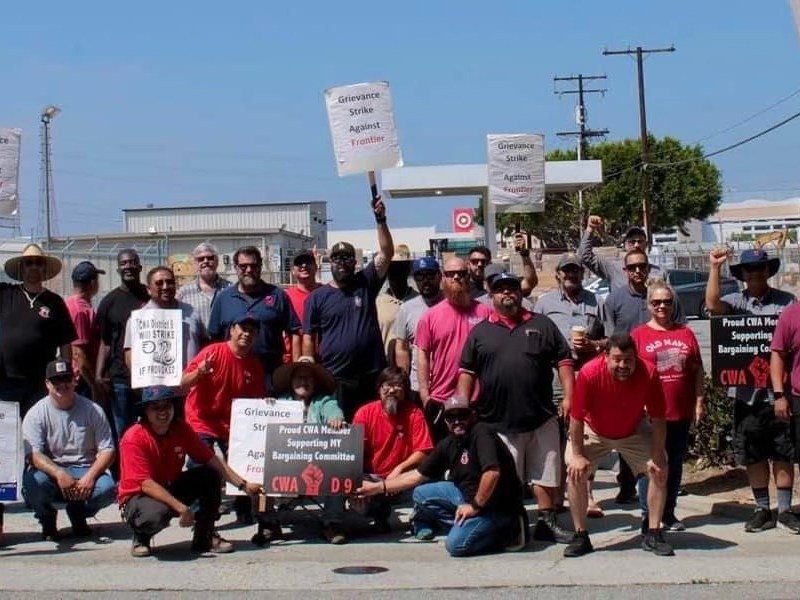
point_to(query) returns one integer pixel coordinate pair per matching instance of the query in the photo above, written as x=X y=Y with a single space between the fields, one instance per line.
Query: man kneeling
x=153 y=487
x=480 y=504
x=612 y=392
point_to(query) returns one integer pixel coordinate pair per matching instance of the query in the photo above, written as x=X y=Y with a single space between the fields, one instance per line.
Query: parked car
x=690 y=285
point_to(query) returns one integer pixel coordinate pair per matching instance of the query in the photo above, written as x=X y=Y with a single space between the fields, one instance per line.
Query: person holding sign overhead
x=760 y=435
x=309 y=383
x=154 y=488
x=340 y=324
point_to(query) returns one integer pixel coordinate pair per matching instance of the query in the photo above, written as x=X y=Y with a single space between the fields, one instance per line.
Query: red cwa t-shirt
x=676 y=356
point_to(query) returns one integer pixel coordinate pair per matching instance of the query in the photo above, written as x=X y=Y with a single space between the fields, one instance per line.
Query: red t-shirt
x=391 y=439
x=297 y=296
x=208 y=403
x=676 y=355
x=614 y=408
x=145 y=455
x=86 y=327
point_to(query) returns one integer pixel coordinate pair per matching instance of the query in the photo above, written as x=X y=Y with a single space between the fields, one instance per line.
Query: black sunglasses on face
x=456 y=416
x=665 y=302
x=637 y=267
x=454 y=274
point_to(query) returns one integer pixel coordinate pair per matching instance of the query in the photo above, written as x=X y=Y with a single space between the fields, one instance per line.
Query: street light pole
x=48 y=114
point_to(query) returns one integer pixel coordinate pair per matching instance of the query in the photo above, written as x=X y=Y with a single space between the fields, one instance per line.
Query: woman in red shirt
x=673 y=349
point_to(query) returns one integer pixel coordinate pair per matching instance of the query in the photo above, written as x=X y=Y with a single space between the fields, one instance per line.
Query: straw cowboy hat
x=13 y=266
x=324 y=383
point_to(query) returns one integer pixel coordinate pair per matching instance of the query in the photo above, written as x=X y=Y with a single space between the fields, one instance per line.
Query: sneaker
x=761 y=520
x=333 y=533
x=424 y=534
x=654 y=542
x=50 y=530
x=77 y=517
x=626 y=497
x=211 y=542
x=789 y=521
x=548 y=529
x=672 y=523
x=141 y=547
x=579 y=545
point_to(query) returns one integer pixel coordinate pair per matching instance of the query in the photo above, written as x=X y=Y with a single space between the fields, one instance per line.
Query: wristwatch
x=242 y=486
x=778 y=395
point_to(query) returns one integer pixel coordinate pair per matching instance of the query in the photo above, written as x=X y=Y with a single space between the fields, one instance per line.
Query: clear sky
x=187 y=103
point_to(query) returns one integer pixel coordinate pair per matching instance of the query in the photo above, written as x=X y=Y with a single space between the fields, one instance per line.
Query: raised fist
x=312 y=476
x=595 y=223
x=759 y=368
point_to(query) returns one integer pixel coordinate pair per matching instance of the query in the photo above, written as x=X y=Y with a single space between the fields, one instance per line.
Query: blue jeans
x=41 y=491
x=676 y=444
x=435 y=508
x=122 y=407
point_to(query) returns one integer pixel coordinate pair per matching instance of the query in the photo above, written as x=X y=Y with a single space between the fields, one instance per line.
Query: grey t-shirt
x=70 y=438
x=625 y=309
x=193 y=331
x=405 y=328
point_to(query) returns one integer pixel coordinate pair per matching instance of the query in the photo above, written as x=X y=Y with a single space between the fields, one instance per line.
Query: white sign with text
x=156 y=347
x=10 y=451
x=516 y=172
x=9 y=171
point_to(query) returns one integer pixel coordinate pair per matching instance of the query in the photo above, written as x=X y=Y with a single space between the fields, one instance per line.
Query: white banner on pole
x=156 y=347
x=516 y=172
x=9 y=171
x=10 y=451
x=362 y=127
x=248 y=435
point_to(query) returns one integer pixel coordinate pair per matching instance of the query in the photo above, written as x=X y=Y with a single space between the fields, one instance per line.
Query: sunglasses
x=163 y=282
x=343 y=259
x=478 y=261
x=665 y=302
x=248 y=266
x=205 y=258
x=453 y=274
x=457 y=416
x=425 y=275
x=644 y=267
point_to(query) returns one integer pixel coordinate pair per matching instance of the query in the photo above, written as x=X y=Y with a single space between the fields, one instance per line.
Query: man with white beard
x=396 y=439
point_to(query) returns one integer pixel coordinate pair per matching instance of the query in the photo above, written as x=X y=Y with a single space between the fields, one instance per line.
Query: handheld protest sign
x=309 y=459
x=516 y=172
x=363 y=131
x=156 y=338
x=10 y=451
x=740 y=351
x=248 y=434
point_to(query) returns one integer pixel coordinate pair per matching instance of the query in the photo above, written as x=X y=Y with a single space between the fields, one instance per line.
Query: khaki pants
x=635 y=449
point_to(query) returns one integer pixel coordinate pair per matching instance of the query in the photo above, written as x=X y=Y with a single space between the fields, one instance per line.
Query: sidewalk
x=714 y=549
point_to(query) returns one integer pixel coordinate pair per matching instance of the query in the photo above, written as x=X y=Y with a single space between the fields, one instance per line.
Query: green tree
x=683 y=185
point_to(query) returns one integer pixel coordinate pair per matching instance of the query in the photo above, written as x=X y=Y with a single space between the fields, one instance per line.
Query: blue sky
x=184 y=103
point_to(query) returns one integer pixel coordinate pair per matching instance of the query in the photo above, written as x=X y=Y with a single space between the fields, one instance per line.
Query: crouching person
x=480 y=504
x=68 y=446
x=153 y=486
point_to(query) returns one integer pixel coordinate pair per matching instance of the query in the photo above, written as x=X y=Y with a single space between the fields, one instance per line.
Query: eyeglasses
x=205 y=258
x=248 y=266
x=457 y=416
x=33 y=262
x=163 y=282
x=453 y=274
x=389 y=385
x=664 y=302
x=478 y=261
x=637 y=267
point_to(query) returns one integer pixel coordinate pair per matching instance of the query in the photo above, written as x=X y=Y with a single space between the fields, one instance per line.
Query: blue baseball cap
x=504 y=277
x=246 y=318
x=157 y=393
x=84 y=272
x=425 y=263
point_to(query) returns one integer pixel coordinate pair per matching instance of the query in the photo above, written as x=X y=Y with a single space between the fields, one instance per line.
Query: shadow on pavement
x=682 y=540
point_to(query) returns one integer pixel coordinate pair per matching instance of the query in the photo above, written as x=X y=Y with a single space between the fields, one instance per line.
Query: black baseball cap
x=303 y=257
x=84 y=272
x=57 y=369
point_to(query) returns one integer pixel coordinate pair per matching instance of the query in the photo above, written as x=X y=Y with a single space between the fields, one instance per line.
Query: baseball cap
x=58 y=368
x=635 y=231
x=492 y=270
x=504 y=277
x=156 y=393
x=425 y=263
x=457 y=403
x=568 y=259
x=304 y=256
x=246 y=318
x=342 y=248
x=84 y=272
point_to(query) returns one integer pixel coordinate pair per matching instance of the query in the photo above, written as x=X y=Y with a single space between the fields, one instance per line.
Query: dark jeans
x=355 y=393
x=123 y=409
x=147 y=516
x=22 y=391
x=676 y=444
x=243 y=505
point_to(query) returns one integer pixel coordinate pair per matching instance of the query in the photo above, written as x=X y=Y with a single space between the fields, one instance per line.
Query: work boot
x=548 y=529
x=579 y=545
x=50 y=529
x=77 y=517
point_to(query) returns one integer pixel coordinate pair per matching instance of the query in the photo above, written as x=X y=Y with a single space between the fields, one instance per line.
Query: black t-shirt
x=31 y=334
x=467 y=458
x=515 y=370
x=112 y=315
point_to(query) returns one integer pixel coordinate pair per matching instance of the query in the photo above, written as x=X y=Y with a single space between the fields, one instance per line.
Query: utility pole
x=640 y=52
x=583 y=133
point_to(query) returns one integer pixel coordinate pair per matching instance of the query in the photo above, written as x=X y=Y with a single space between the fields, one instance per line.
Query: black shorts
x=758 y=435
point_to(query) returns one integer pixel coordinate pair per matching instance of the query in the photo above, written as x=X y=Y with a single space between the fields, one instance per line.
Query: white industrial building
x=735 y=220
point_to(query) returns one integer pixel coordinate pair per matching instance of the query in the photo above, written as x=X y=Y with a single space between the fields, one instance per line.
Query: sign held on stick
x=516 y=172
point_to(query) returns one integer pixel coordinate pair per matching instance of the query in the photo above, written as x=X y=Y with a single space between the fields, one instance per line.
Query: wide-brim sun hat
x=324 y=382
x=755 y=258
x=13 y=266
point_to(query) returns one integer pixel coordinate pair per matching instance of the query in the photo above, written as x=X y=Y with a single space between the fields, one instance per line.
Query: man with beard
x=266 y=302
x=479 y=505
x=396 y=439
x=428 y=277
x=512 y=355
x=340 y=325
x=304 y=274
x=161 y=288
x=201 y=292
x=612 y=393
x=763 y=423
x=396 y=293
x=115 y=309
x=480 y=257
x=440 y=336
